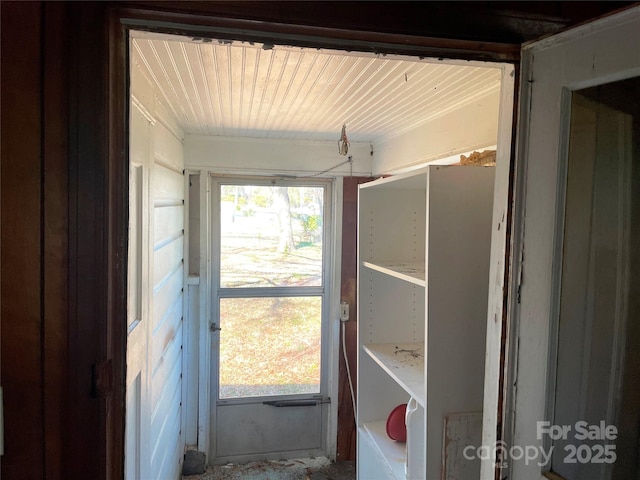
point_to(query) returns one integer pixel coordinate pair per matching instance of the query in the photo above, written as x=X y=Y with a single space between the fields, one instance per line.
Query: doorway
x=379 y=95
x=270 y=310
x=593 y=362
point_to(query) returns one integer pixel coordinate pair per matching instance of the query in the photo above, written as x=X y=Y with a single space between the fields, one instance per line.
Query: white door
x=576 y=233
x=270 y=311
x=137 y=299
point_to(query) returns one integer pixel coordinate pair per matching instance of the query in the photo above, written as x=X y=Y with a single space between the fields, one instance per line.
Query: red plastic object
x=396 y=427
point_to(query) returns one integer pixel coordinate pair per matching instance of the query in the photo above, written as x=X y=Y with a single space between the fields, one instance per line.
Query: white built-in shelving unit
x=423 y=254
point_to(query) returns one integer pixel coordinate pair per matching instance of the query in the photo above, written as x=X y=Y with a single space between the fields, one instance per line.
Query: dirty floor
x=319 y=468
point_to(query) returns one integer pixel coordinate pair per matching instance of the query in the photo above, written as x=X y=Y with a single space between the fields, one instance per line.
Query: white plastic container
x=415 y=466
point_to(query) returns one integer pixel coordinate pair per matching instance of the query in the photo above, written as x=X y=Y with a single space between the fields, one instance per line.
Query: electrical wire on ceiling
x=343 y=149
x=349 y=161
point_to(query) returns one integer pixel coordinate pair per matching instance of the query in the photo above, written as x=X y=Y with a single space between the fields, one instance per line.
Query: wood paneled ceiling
x=241 y=89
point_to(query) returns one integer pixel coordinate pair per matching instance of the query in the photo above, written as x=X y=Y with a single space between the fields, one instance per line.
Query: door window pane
x=269 y=346
x=271 y=236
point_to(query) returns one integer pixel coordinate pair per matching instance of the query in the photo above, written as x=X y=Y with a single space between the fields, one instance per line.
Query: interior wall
x=273 y=157
x=473 y=126
x=167 y=191
x=57 y=420
x=191 y=311
x=156 y=145
x=23 y=330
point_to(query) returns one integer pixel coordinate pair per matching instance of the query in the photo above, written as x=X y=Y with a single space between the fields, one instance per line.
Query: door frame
x=330 y=285
x=587 y=59
x=121 y=20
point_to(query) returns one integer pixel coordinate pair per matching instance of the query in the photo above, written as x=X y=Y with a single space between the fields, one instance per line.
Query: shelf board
x=414 y=180
x=407 y=271
x=404 y=362
x=393 y=453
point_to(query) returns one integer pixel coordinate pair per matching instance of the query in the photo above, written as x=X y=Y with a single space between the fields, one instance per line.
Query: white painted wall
x=273 y=157
x=167 y=189
x=474 y=126
x=155 y=442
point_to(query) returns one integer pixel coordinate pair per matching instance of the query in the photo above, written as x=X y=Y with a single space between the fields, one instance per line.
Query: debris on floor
x=317 y=468
x=194 y=462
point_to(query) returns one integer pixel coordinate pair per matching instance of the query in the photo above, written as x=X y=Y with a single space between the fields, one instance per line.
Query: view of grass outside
x=271 y=236
x=271 y=346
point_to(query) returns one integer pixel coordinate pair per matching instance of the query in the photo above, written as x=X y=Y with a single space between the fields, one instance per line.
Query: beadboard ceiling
x=241 y=89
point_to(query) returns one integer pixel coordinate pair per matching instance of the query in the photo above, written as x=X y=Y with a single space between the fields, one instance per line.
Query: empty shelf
x=404 y=362
x=393 y=453
x=409 y=272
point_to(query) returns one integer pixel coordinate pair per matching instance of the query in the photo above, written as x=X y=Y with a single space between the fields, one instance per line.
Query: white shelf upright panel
x=423 y=251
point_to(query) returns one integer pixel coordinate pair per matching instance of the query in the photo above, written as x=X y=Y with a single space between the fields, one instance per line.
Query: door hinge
x=214 y=327
x=102 y=379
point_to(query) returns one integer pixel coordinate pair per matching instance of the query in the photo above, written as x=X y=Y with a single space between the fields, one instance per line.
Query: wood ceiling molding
x=207 y=24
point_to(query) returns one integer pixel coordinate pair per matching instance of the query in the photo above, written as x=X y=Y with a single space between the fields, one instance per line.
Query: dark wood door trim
x=23 y=335
x=118 y=204
x=209 y=25
x=89 y=321
x=346 y=441
x=55 y=212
